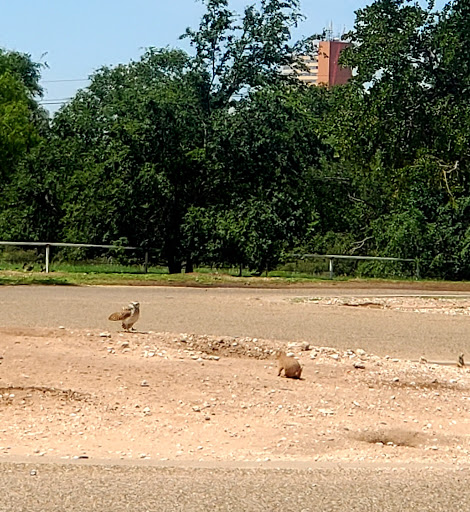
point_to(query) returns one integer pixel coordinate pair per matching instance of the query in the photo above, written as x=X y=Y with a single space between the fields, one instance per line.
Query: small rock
x=105 y=335
x=144 y=384
x=359 y=366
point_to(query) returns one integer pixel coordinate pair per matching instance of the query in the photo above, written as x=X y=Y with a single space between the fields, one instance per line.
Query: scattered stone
x=105 y=335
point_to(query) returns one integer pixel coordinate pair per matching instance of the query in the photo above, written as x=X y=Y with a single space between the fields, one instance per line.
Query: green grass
x=88 y=274
x=208 y=279
x=83 y=276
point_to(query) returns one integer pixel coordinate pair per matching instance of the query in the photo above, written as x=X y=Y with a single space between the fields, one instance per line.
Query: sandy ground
x=102 y=394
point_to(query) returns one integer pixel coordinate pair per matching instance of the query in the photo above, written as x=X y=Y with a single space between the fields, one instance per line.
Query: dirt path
x=72 y=386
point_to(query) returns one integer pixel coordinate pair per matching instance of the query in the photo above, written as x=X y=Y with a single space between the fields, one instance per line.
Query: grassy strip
x=213 y=279
x=11 y=277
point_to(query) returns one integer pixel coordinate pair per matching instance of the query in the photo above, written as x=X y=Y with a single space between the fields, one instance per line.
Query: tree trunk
x=174 y=267
x=189 y=267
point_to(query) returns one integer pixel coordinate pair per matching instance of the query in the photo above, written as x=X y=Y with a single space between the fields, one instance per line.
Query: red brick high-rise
x=323 y=68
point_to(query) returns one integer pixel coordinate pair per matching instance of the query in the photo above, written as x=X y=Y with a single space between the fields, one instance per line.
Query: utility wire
x=65 y=80
x=55 y=101
x=60 y=101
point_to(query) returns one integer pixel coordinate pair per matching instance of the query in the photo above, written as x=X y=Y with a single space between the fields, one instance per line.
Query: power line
x=56 y=101
x=66 y=80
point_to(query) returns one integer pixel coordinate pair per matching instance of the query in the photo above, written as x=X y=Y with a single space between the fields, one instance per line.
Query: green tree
x=133 y=137
x=240 y=52
x=22 y=125
x=142 y=140
x=266 y=154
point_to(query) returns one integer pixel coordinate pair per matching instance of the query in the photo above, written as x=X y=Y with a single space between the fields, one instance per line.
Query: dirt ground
x=69 y=393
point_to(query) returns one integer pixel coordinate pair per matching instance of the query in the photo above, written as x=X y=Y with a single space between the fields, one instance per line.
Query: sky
x=75 y=38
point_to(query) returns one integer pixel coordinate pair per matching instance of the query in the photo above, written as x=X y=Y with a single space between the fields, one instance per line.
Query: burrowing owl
x=128 y=316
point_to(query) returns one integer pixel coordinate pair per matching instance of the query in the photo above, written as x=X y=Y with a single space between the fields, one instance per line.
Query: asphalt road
x=78 y=487
x=258 y=313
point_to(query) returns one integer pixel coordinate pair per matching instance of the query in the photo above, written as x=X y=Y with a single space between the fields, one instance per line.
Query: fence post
x=146 y=261
x=47 y=258
x=417 y=269
x=330 y=267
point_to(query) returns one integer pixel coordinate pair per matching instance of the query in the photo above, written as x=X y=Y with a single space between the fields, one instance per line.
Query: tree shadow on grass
x=45 y=281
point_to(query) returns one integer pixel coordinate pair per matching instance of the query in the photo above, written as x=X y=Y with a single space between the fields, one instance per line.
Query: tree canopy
x=215 y=157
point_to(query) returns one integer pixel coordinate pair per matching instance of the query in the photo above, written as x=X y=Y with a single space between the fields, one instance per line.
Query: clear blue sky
x=78 y=37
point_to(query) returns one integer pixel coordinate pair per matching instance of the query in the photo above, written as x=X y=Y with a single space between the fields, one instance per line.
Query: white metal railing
x=332 y=257
x=48 y=245
x=329 y=257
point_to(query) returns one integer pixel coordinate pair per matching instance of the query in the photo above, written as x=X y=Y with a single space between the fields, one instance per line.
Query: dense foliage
x=216 y=158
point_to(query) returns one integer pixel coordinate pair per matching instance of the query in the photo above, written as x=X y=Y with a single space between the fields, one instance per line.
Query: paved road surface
x=80 y=488
x=245 y=312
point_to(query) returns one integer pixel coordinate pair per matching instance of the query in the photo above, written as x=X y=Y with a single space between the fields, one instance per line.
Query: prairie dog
x=291 y=366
